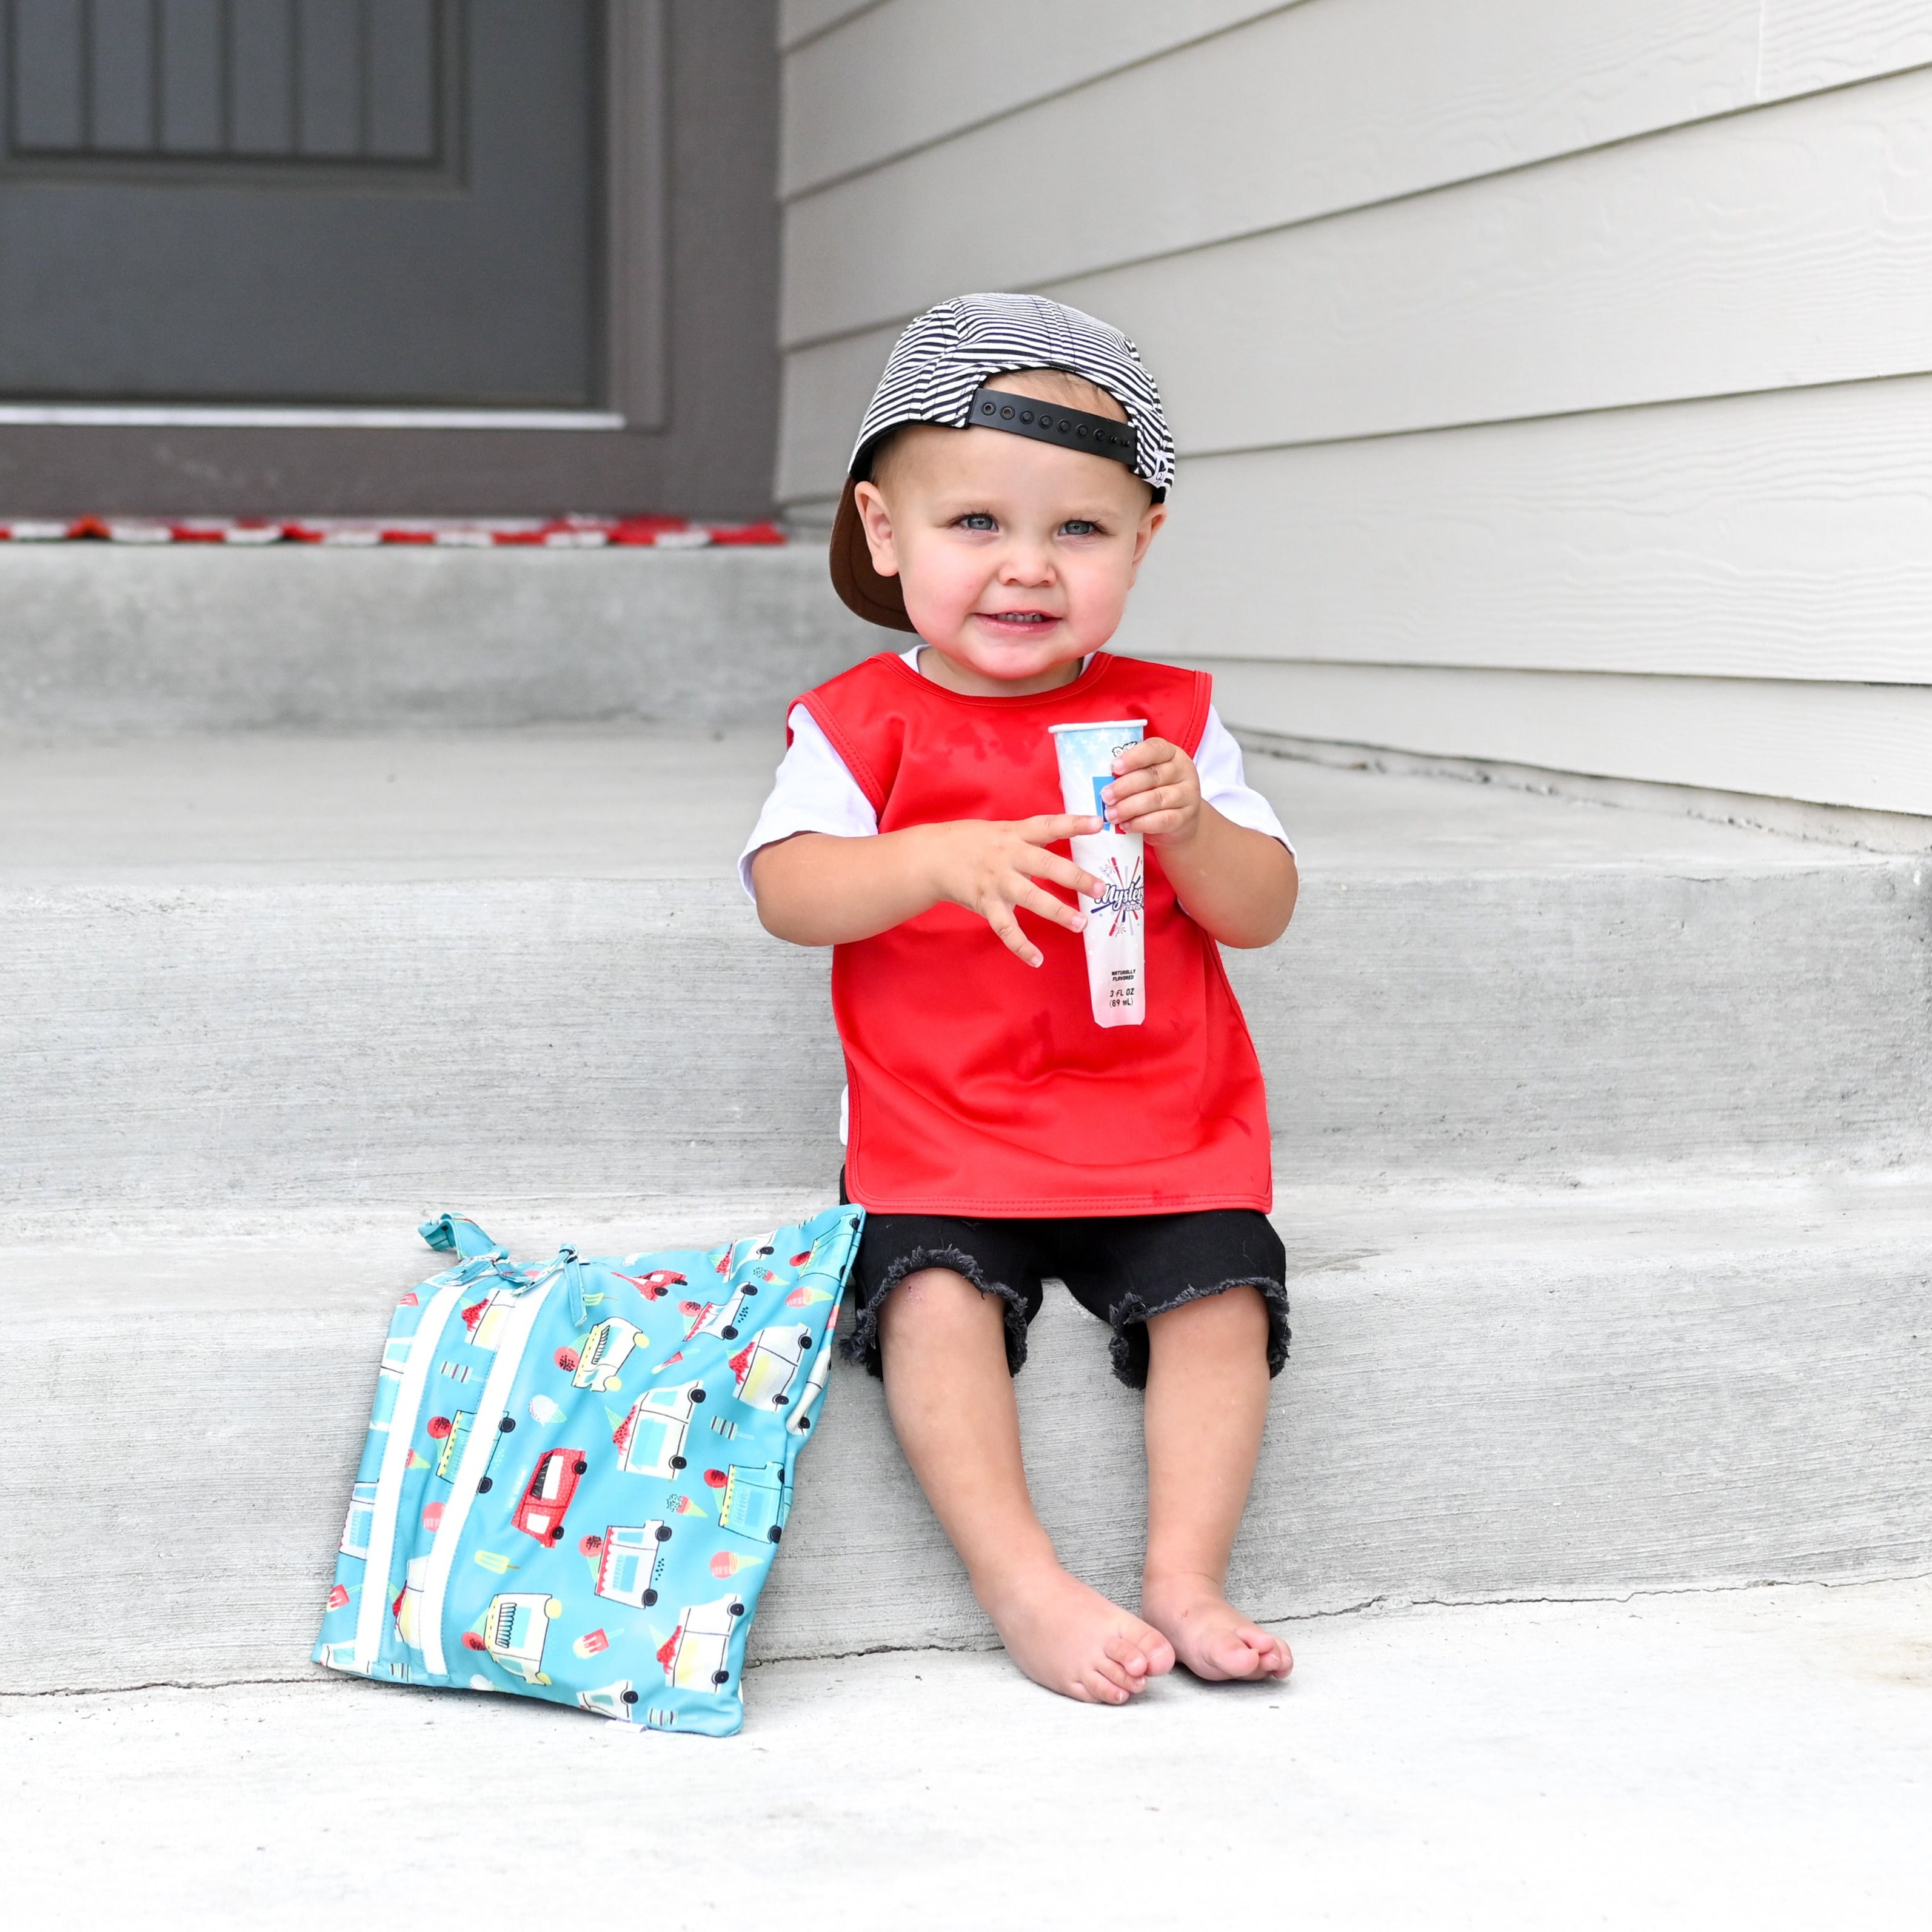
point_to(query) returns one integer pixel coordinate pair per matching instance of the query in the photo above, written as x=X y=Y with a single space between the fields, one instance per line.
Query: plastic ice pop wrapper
x=1117 y=921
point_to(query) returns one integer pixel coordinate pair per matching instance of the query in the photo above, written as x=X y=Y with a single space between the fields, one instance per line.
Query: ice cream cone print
x=432 y=1517
x=803 y=1296
x=683 y=1505
x=417 y=1460
x=727 y=1563
x=543 y=1411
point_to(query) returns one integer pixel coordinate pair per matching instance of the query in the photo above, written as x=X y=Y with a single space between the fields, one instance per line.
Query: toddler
x=1007 y=480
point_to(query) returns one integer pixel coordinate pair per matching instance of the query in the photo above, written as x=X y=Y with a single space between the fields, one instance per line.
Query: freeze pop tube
x=1116 y=932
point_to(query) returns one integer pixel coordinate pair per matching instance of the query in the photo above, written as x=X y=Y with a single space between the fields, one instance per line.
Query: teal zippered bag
x=577 y=1475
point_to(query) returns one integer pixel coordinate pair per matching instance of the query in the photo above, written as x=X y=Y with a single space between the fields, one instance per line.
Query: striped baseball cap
x=938 y=372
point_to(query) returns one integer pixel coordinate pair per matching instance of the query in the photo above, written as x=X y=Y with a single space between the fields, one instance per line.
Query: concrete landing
x=244 y=966
x=1750 y=1759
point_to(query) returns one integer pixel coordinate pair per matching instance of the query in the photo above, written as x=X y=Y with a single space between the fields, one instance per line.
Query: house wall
x=1553 y=378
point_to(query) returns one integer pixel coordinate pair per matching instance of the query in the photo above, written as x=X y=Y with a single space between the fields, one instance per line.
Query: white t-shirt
x=814 y=792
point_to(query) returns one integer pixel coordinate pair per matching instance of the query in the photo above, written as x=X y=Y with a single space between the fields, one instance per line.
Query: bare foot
x=1210 y=1635
x=1072 y=1639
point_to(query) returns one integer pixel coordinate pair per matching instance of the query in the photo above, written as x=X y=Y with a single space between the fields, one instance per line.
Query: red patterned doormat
x=362 y=532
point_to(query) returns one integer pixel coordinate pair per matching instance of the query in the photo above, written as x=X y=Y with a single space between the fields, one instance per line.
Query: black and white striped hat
x=938 y=372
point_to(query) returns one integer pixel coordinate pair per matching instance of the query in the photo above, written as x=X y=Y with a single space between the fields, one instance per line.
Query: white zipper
x=491 y=1409
x=395 y=1467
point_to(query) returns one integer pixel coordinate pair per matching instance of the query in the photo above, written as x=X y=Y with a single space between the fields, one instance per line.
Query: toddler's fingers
x=1063 y=872
x=1037 y=898
x=1050 y=827
x=1015 y=940
x=1148 y=752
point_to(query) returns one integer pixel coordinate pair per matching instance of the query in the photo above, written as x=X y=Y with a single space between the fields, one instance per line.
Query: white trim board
x=177 y=415
x=1866 y=745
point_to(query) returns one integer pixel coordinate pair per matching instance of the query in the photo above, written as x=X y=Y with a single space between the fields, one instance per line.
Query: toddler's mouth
x=1018 y=620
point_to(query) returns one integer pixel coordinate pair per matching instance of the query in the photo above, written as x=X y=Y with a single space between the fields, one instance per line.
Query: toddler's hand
x=993 y=866
x=1156 y=791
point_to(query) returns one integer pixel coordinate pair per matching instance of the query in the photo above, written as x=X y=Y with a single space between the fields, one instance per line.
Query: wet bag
x=577 y=1475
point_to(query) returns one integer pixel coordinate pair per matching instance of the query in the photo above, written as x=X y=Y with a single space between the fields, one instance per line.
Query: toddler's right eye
x=977 y=519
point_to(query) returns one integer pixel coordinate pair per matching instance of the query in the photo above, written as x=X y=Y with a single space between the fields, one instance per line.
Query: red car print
x=553 y=1483
x=652 y=1286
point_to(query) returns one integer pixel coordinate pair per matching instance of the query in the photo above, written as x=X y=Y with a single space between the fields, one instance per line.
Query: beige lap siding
x=1414 y=280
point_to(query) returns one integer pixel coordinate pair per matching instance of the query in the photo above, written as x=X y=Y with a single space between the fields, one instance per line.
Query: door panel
x=292 y=201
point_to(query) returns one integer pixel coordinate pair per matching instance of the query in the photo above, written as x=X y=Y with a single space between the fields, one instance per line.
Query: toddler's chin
x=1013 y=656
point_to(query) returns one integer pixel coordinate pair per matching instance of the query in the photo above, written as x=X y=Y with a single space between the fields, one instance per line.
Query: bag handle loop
x=457 y=1234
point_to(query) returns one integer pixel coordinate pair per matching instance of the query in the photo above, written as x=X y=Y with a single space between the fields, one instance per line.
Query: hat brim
x=877 y=599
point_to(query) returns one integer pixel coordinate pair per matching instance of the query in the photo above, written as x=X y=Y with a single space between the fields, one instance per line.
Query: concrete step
x=1671 y=1765
x=1490 y=1395
x=394 y=971
x=114 y=637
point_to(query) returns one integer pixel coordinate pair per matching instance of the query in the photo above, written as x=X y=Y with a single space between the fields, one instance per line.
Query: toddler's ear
x=1152 y=517
x=876 y=521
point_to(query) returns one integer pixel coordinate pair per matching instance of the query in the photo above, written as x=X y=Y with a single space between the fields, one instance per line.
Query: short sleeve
x=812 y=792
x=1224 y=782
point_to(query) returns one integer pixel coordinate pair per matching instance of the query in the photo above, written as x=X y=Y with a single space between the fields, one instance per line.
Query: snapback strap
x=1049 y=422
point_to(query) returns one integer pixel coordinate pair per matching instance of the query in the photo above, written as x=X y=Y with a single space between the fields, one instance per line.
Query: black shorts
x=1124 y=1268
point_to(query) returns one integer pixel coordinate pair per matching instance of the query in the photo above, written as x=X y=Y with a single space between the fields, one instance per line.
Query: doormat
x=364 y=533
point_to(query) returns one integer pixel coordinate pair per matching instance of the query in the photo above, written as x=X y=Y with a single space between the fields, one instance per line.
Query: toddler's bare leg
x=1207 y=1399
x=943 y=1348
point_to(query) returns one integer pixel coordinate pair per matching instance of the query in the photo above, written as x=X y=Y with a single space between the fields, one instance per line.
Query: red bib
x=980 y=1085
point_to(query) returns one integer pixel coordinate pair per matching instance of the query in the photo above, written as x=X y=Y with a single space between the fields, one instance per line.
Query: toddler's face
x=1015 y=556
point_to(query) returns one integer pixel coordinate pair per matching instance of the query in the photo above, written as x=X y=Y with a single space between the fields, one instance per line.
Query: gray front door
x=326 y=202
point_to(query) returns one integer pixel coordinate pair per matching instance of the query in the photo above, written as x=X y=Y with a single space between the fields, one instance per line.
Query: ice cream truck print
x=389 y=1380
x=630 y=1561
x=407 y=1608
x=694 y=1655
x=610 y=1700
x=756 y=1502
x=651 y=1436
x=361 y=1519
x=798 y=1422
x=717 y=1318
x=552 y=1484
x=454 y=1431
x=514 y=1628
x=606 y=1349
x=767 y=1366
x=485 y=1319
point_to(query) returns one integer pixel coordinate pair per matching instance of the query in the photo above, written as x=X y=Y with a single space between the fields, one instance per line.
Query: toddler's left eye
x=1079 y=526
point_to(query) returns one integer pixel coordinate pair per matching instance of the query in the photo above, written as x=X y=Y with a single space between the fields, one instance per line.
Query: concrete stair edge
x=1730 y=1385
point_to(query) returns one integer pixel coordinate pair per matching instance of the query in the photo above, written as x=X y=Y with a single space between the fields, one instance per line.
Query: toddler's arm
x=1238 y=883
x=816 y=889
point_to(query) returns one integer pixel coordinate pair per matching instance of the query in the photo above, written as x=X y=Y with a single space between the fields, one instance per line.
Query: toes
x=1103 y=1691
x=1118 y=1675
x=1271 y=1655
x=1130 y=1656
x=1160 y=1653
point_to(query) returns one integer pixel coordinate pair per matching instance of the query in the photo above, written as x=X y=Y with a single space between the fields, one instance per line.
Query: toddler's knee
x=937 y=1297
x=1235 y=1317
